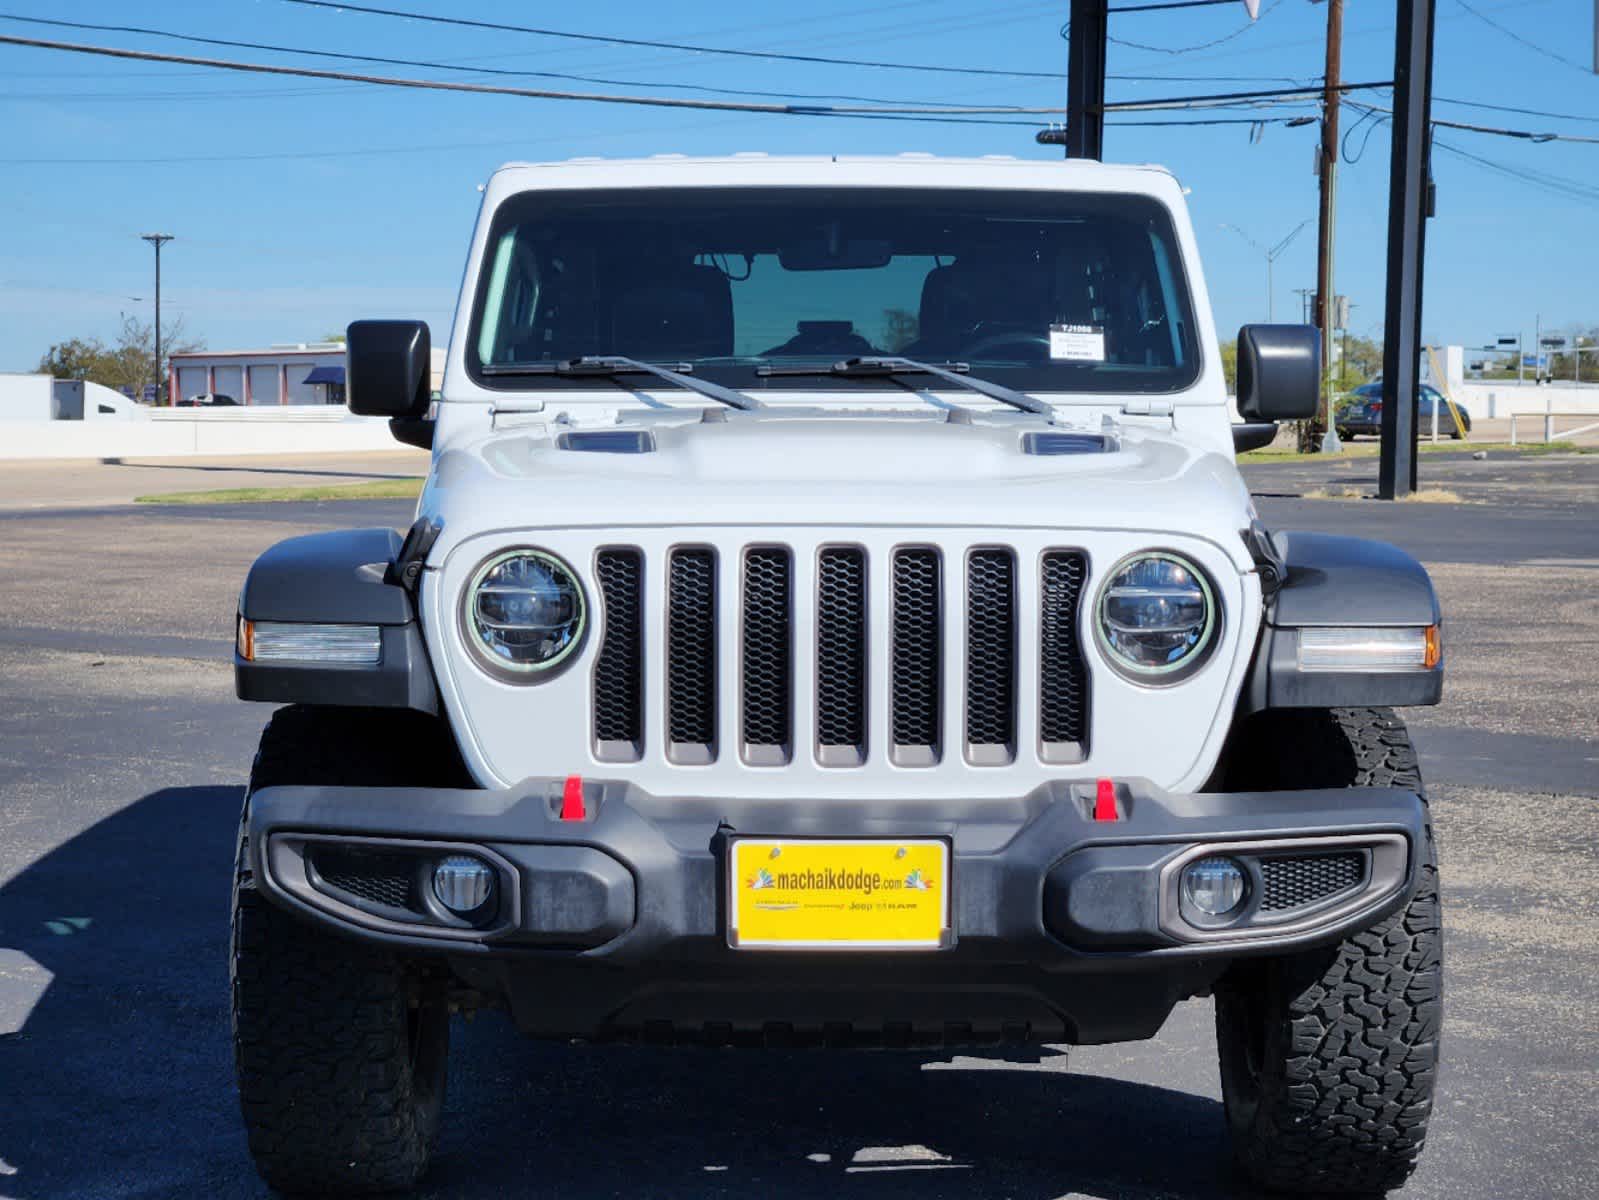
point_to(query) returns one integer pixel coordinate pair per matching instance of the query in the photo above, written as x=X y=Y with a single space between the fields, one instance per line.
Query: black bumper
x=1063 y=927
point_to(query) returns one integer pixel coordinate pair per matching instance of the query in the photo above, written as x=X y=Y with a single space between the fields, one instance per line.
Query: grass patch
x=408 y=488
x=1358 y=450
x=1425 y=496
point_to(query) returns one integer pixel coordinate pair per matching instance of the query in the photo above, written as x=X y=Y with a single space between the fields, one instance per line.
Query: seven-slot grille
x=927 y=649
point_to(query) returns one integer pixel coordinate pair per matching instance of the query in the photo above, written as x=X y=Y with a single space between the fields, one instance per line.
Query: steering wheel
x=1007 y=337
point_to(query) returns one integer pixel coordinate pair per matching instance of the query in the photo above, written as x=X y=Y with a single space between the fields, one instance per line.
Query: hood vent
x=1067 y=443
x=608 y=441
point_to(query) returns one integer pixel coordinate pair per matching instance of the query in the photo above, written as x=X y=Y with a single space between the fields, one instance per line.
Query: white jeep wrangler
x=834 y=615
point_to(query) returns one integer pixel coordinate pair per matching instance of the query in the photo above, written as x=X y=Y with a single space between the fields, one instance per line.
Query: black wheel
x=340 y=1048
x=1329 y=1059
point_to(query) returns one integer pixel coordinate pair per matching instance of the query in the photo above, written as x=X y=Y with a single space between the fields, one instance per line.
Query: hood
x=867 y=469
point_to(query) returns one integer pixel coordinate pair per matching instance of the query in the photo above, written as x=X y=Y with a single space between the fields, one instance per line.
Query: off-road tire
x=340 y=1047
x=1329 y=1058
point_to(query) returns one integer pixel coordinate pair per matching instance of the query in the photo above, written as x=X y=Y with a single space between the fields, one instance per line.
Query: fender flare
x=1332 y=580
x=341 y=577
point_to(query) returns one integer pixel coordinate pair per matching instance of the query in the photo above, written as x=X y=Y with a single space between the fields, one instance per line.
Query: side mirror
x=388 y=368
x=1279 y=372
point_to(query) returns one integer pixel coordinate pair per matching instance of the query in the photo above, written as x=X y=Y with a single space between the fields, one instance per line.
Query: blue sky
x=300 y=205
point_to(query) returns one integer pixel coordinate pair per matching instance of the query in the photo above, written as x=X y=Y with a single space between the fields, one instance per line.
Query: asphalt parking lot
x=123 y=751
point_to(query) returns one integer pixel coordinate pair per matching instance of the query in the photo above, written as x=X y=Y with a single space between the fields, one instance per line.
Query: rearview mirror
x=1279 y=372
x=388 y=368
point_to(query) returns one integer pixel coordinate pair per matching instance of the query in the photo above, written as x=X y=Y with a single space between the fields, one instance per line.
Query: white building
x=304 y=373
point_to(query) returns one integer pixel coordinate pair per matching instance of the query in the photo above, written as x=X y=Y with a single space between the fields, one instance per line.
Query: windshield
x=1041 y=291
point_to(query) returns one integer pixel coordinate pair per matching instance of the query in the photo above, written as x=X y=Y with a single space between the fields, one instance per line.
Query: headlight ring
x=1157 y=618
x=524 y=614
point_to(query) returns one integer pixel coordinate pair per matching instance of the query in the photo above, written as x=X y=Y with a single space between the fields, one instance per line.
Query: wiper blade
x=889 y=366
x=606 y=366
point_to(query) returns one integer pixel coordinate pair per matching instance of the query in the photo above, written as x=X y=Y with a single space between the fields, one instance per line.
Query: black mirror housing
x=1279 y=372
x=388 y=368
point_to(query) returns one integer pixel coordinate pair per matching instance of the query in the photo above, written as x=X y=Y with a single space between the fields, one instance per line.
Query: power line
x=1560 y=185
x=974 y=115
x=1177 y=50
x=1510 y=108
x=1221 y=99
x=146 y=31
x=1526 y=135
x=648 y=43
x=1516 y=37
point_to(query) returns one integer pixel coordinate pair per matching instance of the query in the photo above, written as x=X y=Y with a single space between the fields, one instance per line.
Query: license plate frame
x=906 y=908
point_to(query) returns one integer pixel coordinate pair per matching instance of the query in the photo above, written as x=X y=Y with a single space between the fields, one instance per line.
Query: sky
x=299 y=205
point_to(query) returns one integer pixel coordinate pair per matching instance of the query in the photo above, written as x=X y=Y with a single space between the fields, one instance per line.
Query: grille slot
x=767 y=694
x=990 y=657
x=691 y=656
x=1062 y=673
x=619 y=668
x=841 y=656
x=916 y=666
x=377 y=877
x=1300 y=880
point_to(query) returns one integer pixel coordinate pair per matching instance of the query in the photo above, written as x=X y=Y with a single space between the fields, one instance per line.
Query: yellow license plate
x=805 y=894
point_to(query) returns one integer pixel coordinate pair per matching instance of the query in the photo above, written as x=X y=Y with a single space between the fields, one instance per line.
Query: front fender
x=1331 y=580
x=337 y=578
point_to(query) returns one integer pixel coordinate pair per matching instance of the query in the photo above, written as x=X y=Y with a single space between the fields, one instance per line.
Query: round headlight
x=1157 y=616
x=524 y=613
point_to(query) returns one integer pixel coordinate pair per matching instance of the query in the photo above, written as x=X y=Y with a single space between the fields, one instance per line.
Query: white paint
x=899 y=474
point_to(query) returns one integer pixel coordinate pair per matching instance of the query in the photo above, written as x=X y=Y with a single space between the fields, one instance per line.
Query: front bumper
x=1063 y=927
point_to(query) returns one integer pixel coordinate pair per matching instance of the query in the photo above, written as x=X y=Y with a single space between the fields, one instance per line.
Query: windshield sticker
x=1077 y=343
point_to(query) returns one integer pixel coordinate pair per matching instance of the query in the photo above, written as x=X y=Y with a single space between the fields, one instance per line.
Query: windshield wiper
x=608 y=366
x=889 y=366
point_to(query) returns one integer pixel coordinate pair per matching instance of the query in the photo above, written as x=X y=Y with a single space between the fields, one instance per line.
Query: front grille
x=990 y=656
x=830 y=689
x=1062 y=673
x=1298 y=880
x=916 y=669
x=691 y=656
x=841 y=655
x=766 y=637
x=371 y=875
x=619 y=668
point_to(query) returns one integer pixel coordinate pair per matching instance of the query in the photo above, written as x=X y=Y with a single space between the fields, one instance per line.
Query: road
x=122 y=752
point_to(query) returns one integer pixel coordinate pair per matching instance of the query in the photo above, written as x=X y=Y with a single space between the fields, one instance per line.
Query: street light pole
x=157 y=240
x=1271 y=260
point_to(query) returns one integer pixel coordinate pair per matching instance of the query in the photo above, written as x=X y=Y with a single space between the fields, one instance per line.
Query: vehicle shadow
x=119 y=1081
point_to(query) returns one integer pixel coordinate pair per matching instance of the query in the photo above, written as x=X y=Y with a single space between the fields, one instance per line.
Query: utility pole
x=1328 y=215
x=157 y=240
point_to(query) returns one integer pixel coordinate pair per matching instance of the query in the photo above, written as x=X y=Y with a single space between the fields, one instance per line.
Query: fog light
x=462 y=883
x=1214 y=886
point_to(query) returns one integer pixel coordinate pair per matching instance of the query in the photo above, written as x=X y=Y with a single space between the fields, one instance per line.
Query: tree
x=1229 y=366
x=128 y=364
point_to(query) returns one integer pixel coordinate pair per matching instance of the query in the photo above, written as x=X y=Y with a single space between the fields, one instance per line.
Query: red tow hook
x=1105 y=801
x=572 y=800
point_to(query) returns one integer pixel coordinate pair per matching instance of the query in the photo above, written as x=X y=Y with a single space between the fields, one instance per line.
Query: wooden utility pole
x=1330 y=102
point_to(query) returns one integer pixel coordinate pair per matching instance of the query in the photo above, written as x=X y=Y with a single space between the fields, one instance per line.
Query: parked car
x=207 y=400
x=834 y=617
x=1363 y=413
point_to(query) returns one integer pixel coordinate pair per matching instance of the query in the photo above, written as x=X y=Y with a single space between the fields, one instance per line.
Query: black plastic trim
x=1332 y=581
x=334 y=578
x=1112 y=975
x=341 y=577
